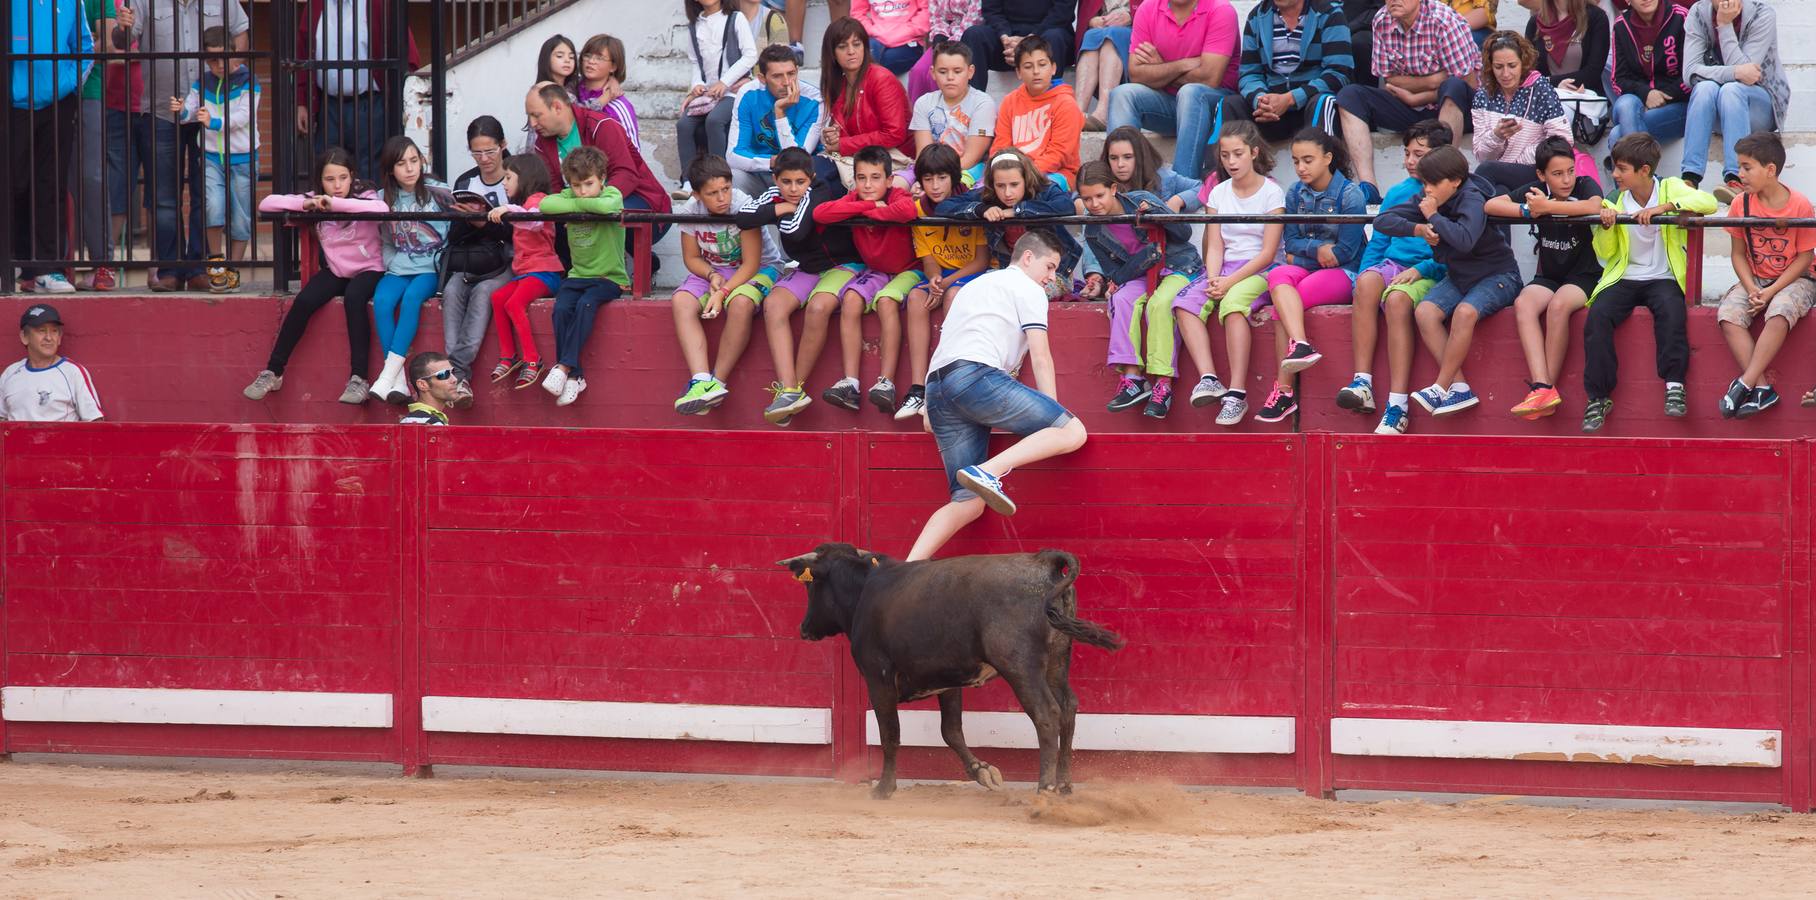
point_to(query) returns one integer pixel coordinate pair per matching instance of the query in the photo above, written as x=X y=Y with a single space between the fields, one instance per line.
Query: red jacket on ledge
x=883 y=249
x=624 y=166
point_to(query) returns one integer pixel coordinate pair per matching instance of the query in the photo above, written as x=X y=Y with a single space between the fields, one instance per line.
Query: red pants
x=511 y=315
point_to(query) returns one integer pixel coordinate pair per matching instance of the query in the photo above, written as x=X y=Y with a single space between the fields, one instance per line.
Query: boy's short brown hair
x=1638 y=150
x=583 y=163
x=1764 y=147
x=214 y=37
x=1443 y=164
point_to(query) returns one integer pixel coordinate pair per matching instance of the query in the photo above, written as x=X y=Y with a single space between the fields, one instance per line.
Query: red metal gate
x=1558 y=616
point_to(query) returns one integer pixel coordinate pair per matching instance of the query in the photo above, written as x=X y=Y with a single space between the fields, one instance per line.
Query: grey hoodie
x=1712 y=56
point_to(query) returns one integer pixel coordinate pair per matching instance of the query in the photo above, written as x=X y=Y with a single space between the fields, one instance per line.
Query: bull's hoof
x=1065 y=787
x=883 y=790
x=989 y=776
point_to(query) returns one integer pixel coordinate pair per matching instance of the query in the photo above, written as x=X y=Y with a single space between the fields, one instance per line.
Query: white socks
x=1399 y=400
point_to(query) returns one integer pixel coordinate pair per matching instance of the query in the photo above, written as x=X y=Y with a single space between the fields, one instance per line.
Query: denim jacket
x=1054 y=201
x=1118 y=265
x=1340 y=197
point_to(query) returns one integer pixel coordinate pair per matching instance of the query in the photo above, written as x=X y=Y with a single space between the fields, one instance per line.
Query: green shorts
x=1414 y=292
x=754 y=290
x=897 y=288
x=1239 y=300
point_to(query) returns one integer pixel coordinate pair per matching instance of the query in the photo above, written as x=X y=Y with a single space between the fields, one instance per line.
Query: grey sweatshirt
x=1710 y=55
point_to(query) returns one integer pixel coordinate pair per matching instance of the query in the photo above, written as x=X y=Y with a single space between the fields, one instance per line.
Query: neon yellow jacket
x=1611 y=243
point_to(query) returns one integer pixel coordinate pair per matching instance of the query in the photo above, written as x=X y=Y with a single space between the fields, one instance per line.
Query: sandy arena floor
x=82 y=832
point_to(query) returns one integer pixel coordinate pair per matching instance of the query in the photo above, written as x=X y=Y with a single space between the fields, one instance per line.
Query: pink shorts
x=1316 y=288
x=867 y=284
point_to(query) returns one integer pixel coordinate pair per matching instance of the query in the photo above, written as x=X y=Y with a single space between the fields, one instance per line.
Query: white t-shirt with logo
x=722 y=246
x=989 y=319
x=1242 y=243
x=59 y=392
x=953 y=124
x=1647 y=260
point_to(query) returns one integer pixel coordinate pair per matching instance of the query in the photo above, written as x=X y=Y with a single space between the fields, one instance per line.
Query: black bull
x=923 y=628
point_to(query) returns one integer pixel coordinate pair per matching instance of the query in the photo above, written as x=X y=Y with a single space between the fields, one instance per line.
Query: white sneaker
x=555 y=381
x=54 y=283
x=915 y=405
x=1234 y=408
x=266 y=382
x=570 y=391
x=380 y=388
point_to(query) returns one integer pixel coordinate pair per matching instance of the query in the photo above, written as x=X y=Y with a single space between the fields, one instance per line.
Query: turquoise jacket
x=58 y=26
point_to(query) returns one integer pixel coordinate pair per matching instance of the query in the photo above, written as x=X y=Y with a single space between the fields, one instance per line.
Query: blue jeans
x=356 y=125
x=230 y=198
x=966 y=399
x=1190 y=116
x=1741 y=109
x=176 y=159
x=397 y=307
x=576 y=305
x=1488 y=296
x=1631 y=116
x=897 y=60
x=128 y=157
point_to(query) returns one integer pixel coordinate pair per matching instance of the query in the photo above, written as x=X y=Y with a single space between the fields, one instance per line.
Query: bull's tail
x=1061 y=604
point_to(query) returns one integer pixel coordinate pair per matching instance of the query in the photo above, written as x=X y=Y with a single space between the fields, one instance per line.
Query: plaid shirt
x=1438 y=42
x=952 y=17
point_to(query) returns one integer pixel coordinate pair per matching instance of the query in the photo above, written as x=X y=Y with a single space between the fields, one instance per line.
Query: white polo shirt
x=988 y=320
x=59 y=392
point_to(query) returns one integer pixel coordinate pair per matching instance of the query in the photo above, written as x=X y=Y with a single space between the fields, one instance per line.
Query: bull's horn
x=805 y=559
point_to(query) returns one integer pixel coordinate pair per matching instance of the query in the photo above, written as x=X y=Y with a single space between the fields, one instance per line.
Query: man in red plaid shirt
x=1425 y=59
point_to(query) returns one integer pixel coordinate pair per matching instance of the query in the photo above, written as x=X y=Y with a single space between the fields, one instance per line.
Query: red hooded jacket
x=880 y=118
x=624 y=166
x=883 y=249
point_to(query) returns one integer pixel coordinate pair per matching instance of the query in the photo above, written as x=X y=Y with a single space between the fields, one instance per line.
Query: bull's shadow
x=938 y=626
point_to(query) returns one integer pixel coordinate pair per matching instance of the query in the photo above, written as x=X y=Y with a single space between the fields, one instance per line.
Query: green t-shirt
x=569 y=142
x=94 y=11
x=597 y=247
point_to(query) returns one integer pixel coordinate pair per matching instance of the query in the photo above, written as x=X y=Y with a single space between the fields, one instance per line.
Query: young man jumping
x=996 y=321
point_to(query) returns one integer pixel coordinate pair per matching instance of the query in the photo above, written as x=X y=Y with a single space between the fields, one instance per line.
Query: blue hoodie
x=54 y=27
x=1411 y=252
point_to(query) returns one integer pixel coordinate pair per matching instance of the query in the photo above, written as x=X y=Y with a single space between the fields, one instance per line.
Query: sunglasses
x=442 y=375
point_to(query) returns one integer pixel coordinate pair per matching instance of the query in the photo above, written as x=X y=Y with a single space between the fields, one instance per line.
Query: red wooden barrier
x=1583 y=617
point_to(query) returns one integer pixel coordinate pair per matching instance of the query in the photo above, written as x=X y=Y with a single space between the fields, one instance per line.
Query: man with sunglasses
x=432 y=378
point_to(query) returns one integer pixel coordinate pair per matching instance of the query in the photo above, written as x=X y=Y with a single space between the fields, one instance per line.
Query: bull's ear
x=805 y=576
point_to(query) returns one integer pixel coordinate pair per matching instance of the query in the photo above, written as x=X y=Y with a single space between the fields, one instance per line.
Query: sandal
x=1809 y=397
x=532 y=371
x=505 y=367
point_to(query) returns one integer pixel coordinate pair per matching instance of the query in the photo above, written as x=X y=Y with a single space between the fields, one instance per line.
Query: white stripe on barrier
x=1641 y=744
x=610 y=719
x=177 y=706
x=1105 y=731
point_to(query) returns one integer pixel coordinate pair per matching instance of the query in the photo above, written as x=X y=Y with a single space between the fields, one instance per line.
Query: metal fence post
x=438 y=87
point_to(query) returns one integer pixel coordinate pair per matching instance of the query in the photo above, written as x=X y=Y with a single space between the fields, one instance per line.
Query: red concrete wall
x=1592 y=581
x=164 y=359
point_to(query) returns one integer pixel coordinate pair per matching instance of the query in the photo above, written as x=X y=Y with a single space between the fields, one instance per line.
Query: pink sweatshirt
x=893 y=23
x=533 y=242
x=350 y=247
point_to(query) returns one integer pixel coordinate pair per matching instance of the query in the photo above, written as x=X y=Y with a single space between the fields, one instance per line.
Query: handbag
x=1589 y=118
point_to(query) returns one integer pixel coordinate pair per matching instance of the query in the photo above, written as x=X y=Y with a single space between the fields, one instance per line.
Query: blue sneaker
x=1431 y=398
x=1359 y=396
x=1456 y=402
x=1394 y=421
x=1371 y=195
x=987 y=486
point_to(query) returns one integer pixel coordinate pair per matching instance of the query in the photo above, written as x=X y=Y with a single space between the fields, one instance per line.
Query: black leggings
x=321 y=289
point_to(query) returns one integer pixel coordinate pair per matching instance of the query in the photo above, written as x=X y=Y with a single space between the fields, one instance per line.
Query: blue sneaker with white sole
x=1395 y=421
x=1456 y=402
x=1431 y=398
x=988 y=487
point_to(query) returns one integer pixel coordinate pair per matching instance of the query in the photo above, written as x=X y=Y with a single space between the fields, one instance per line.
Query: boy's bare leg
x=920 y=335
x=1528 y=308
x=1239 y=340
x=889 y=322
x=739 y=312
x=942 y=525
x=1398 y=310
x=1197 y=339
x=777 y=307
x=689 y=331
x=813 y=334
x=1771 y=338
x=1364 y=319
x=851 y=333
x=1564 y=304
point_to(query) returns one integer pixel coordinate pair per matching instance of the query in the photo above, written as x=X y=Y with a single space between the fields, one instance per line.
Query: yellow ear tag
x=805 y=577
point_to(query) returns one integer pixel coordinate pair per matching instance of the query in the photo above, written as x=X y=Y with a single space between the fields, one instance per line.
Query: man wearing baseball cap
x=44 y=386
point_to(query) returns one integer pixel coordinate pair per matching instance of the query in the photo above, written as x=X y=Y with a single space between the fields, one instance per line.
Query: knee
x=1456 y=91
x=1075 y=435
x=684 y=303
x=820 y=306
x=740 y=306
x=1464 y=315
x=1731 y=92
x=1399 y=304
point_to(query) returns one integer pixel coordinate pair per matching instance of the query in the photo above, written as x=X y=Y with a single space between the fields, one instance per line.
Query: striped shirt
x=1439 y=41
x=1287 y=42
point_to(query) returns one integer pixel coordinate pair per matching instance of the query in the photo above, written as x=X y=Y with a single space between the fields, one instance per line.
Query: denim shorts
x=229 y=207
x=966 y=399
x=1488 y=296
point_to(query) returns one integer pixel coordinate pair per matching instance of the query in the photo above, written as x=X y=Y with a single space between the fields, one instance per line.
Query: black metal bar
x=8 y=283
x=1687 y=221
x=438 y=91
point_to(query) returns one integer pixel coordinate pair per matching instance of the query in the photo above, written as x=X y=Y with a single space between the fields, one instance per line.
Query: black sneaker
x=882 y=396
x=1299 y=357
x=1279 y=405
x=1676 y=404
x=1762 y=398
x=1130 y=392
x=843 y=395
x=1736 y=395
x=1595 y=415
x=1160 y=401
x=1693 y=179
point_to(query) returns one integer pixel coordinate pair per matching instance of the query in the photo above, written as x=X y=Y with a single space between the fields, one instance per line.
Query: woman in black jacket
x=1573 y=40
x=478 y=258
x=1649 y=71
